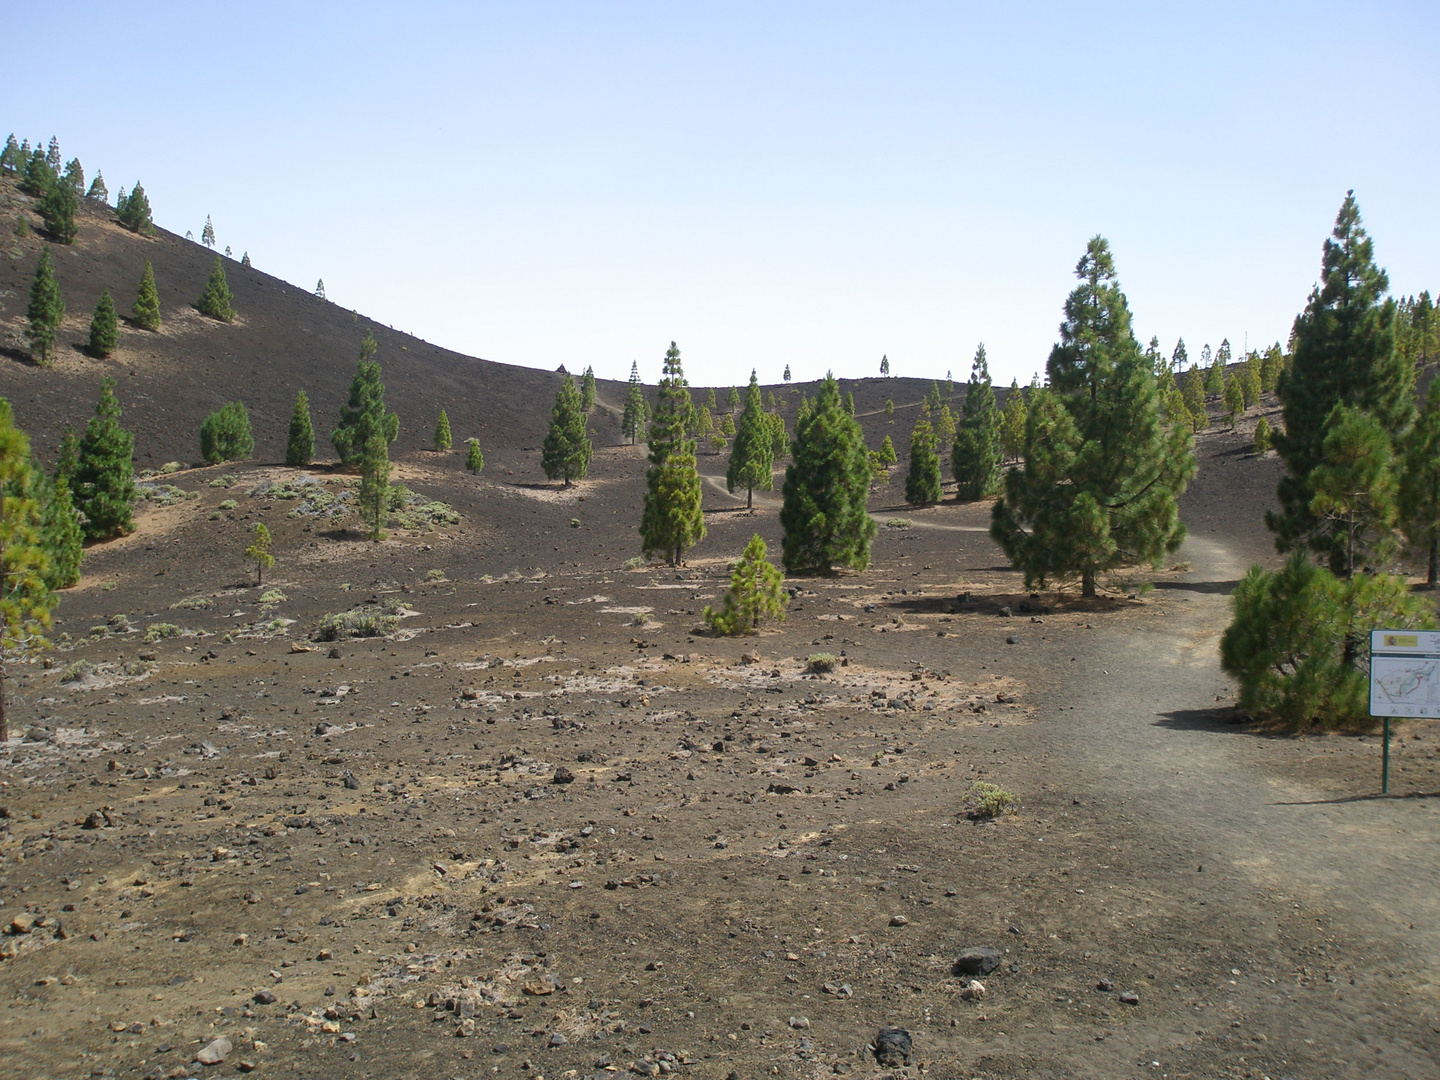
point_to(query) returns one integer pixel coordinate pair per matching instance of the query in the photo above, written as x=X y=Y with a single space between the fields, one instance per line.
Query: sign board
x=1405 y=673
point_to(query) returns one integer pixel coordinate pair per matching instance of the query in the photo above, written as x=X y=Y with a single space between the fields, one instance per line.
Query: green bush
x=225 y=435
x=820 y=663
x=353 y=624
x=1299 y=640
x=159 y=631
x=754 y=594
x=989 y=800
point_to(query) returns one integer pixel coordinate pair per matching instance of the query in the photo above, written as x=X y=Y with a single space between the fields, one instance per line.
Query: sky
x=811 y=184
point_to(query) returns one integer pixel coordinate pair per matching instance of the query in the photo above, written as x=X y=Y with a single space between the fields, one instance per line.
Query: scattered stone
x=1105 y=984
x=1006 y=612
x=974 y=991
x=981 y=960
x=352 y=782
x=556 y=1039
x=334 y=653
x=563 y=776
x=1012 y=639
x=899 y=920
x=800 y=1023
x=1130 y=998
x=215 y=1052
x=264 y=997
x=465 y=1028
x=893 y=1046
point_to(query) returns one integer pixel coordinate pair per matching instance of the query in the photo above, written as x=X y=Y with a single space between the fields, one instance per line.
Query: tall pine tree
x=1101 y=475
x=104 y=327
x=671 y=521
x=300 y=444
x=216 y=300
x=587 y=389
x=1344 y=354
x=146 y=312
x=979 y=445
x=363 y=415
x=442 y=432
x=637 y=409
x=565 y=454
x=922 y=482
x=752 y=461
x=824 y=518
x=373 y=497
x=46 y=310
x=1420 y=484
x=104 y=486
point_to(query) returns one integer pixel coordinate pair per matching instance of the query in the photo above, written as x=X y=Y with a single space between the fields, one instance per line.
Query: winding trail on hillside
x=766 y=499
x=1142 y=719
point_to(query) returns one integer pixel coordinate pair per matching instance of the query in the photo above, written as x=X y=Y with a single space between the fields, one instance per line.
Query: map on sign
x=1405 y=673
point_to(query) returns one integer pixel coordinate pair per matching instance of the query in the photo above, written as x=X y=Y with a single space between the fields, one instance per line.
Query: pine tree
x=1354 y=487
x=245 y=259
x=945 y=432
x=672 y=520
x=1180 y=358
x=67 y=460
x=104 y=486
x=884 y=365
x=146 y=312
x=52 y=156
x=474 y=459
x=373 y=498
x=1234 y=400
x=58 y=209
x=98 y=191
x=259 y=552
x=1193 y=394
x=207 y=234
x=1420 y=484
x=1344 y=354
x=779 y=437
x=225 y=435
x=1012 y=422
x=587 y=388
x=10 y=159
x=215 y=301
x=1101 y=475
x=63 y=539
x=38 y=177
x=74 y=178
x=922 y=482
x=364 y=413
x=755 y=593
x=134 y=211
x=442 y=432
x=1250 y=379
x=25 y=599
x=823 y=517
x=1263 y=438
x=319 y=286
x=565 y=454
x=46 y=310
x=979 y=446
x=889 y=411
x=732 y=399
x=887 y=452
x=300 y=443
x=104 y=327
x=637 y=409
x=752 y=462
x=787 y=373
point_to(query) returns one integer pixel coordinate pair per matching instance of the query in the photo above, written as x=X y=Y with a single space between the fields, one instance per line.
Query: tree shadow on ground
x=1213 y=588
x=1226 y=718
x=20 y=356
x=1021 y=605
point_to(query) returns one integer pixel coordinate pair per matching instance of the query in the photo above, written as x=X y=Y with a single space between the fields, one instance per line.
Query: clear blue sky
x=804 y=183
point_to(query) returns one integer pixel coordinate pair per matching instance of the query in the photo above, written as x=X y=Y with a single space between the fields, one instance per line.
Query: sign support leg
x=1385 y=761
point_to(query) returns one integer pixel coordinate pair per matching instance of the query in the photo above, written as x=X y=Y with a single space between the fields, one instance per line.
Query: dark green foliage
x=1344 y=354
x=244 y=259
x=215 y=301
x=754 y=594
x=1272 y=364
x=887 y=452
x=225 y=435
x=58 y=208
x=1250 y=378
x=319 y=285
x=1101 y=475
x=146 y=312
x=637 y=409
x=787 y=373
x=885 y=365
x=752 y=459
x=1420 y=484
x=732 y=399
x=259 y=551
x=373 y=498
x=1417 y=330
x=38 y=177
x=1354 y=487
x=779 y=437
x=474 y=459
x=565 y=454
x=671 y=521
x=64 y=540
x=74 y=178
x=104 y=327
x=1298 y=640
x=979 y=444
x=46 y=310
x=442 y=432
x=922 y=482
x=824 y=518
x=300 y=444
x=207 y=234
x=104 y=484
x=1012 y=422
x=52 y=156
x=10 y=159
x=1233 y=399
x=25 y=596
x=587 y=388
x=68 y=458
x=133 y=210
x=98 y=191
x=1214 y=370
x=364 y=414
x=1193 y=394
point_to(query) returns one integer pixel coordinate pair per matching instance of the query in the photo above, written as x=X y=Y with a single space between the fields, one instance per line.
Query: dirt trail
x=767 y=499
x=1132 y=726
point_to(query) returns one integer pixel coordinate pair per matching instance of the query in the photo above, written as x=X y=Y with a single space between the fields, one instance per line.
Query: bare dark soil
x=545 y=827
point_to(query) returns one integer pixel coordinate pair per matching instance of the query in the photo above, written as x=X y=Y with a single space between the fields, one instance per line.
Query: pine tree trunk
x=749 y=498
x=1087 y=583
x=1433 y=571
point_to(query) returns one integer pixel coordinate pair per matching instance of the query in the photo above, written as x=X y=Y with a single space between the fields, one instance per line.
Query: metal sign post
x=1404 y=681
